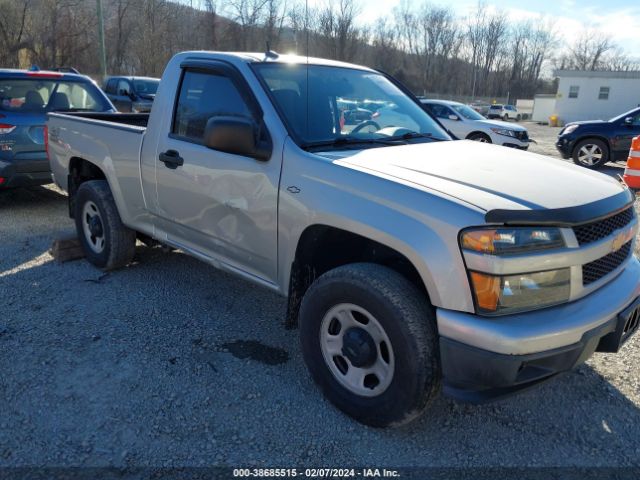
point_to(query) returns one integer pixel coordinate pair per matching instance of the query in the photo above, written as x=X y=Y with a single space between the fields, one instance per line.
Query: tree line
x=426 y=45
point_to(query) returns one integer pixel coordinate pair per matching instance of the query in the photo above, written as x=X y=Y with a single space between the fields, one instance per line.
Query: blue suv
x=25 y=99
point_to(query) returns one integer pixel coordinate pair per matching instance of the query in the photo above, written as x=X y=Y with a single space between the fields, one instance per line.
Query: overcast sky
x=619 y=18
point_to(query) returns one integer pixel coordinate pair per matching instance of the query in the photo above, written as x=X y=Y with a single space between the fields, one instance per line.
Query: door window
x=123 y=88
x=440 y=111
x=202 y=96
x=111 y=86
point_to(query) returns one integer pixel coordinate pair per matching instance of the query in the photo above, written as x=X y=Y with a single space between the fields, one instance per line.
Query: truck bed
x=111 y=141
x=128 y=119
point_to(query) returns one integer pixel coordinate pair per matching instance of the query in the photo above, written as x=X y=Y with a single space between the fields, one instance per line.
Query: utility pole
x=103 y=52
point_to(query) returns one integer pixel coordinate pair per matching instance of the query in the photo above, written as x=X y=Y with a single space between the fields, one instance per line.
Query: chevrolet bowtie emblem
x=618 y=242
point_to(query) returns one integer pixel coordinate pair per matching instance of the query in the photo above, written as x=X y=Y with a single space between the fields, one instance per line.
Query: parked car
x=407 y=259
x=505 y=112
x=25 y=98
x=356 y=116
x=480 y=107
x=392 y=115
x=464 y=122
x=593 y=143
x=132 y=94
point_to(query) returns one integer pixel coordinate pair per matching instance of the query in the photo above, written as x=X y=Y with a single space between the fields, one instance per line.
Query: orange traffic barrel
x=632 y=172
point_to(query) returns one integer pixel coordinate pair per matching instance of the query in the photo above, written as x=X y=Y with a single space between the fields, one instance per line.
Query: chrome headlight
x=502 y=294
x=569 y=129
x=504 y=131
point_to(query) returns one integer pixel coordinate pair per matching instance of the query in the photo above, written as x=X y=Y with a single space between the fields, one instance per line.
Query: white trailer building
x=587 y=95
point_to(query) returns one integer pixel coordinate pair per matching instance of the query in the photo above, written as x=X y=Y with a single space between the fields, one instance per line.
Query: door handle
x=171 y=159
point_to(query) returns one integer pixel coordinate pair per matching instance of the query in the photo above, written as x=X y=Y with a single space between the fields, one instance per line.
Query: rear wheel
x=591 y=153
x=369 y=340
x=106 y=242
x=505 y=117
x=480 y=137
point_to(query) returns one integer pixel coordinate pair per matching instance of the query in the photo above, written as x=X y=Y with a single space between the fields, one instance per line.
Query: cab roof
x=254 y=57
x=42 y=74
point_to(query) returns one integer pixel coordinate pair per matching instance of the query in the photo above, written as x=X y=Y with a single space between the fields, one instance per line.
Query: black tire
x=505 y=117
x=597 y=146
x=518 y=117
x=409 y=322
x=480 y=137
x=118 y=242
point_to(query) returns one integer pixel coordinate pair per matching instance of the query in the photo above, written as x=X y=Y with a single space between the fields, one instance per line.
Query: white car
x=465 y=123
x=505 y=112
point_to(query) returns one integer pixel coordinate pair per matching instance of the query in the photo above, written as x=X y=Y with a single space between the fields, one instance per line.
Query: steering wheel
x=366 y=123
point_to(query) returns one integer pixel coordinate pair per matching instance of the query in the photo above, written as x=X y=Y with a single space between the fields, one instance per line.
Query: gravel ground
x=170 y=362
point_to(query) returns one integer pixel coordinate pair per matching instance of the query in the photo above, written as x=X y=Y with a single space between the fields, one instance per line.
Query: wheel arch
x=81 y=170
x=321 y=248
x=478 y=132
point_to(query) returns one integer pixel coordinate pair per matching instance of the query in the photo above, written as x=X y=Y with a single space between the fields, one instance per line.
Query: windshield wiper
x=347 y=141
x=412 y=135
x=394 y=140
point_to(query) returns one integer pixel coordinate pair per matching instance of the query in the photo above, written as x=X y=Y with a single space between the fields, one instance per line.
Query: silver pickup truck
x=411 y=262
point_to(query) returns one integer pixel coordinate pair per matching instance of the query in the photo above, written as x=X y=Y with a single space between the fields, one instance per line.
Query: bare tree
x=13 y=34
x=589 y=50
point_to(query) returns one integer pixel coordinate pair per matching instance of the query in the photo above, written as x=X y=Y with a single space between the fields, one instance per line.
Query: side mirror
x=628 y=121
x=454 y=117
x=236 y=135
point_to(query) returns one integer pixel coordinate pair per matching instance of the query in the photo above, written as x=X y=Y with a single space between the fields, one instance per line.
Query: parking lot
x=170 y=362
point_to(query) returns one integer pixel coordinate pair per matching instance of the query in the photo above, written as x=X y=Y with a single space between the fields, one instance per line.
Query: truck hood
x=587 y=122
x=487 y=176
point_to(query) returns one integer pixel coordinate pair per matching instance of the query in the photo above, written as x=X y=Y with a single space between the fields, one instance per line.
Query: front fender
x=421 y=226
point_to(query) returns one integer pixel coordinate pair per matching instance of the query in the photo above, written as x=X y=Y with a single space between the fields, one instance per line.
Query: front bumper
x=25 y=172
x=564 y=145
x=519 y=146
x=487 y=358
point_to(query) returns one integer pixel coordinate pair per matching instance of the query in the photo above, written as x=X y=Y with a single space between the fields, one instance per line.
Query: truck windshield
x=333 y=105
x=48 y=95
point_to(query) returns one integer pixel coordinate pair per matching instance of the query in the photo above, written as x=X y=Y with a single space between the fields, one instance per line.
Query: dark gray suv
x=132 y=94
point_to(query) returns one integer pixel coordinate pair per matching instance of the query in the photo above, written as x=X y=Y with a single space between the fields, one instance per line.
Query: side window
x=202 y=96
x=440 y=111
x=573 y=91
x=123 y=85
x=604 y=93
x=111 y=86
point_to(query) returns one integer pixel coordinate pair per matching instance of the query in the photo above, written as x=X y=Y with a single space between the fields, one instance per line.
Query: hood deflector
x=564 y=217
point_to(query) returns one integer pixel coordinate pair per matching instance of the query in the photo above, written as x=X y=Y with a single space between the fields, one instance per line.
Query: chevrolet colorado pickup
x=411 y=263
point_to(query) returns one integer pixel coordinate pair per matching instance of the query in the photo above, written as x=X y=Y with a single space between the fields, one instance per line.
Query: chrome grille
x=594 y=271
x=592 y=232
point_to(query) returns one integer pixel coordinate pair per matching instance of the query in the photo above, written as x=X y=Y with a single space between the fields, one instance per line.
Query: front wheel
x=591 y=153
x=369 y=340
x=106 y=242
x=480 y=137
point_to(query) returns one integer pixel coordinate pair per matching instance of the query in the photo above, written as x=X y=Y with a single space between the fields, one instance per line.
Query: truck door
x=444 y=115
x=219 y=204
x=122 y=99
